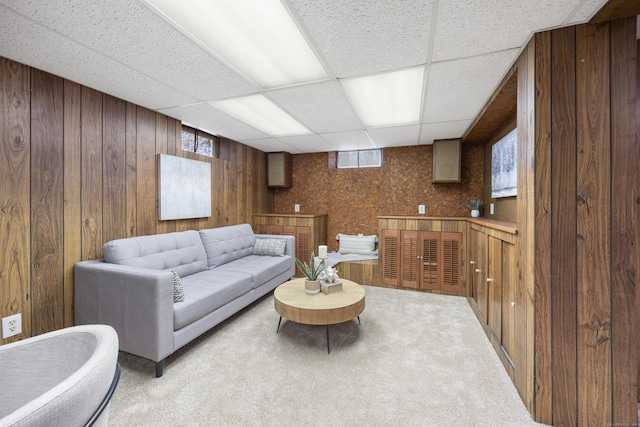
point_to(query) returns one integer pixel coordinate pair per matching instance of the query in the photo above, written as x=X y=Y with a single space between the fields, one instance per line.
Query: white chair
x=61 y=378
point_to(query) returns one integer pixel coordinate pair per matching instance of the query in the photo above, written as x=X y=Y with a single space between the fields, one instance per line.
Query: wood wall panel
x=15 y=167
x=524 y=298
x=91 y=187
x=542 y=249
x=47 y=173
x=587 y=159
x=593 y=212
x=114 y=167
x=131 y=174
x=146 y=167
x=625 y=222
x=354 y=198
x=72 y=248
x=79 y=168
x=564 y=220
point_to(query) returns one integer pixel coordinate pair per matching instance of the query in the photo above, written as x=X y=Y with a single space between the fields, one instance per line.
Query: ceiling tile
x=160 y=50
x=585 y=11
x=395 y=136
x=352 y=140
x=363 y=37
x=457 y=90
x=29 y=43
x=472 y=27
x=207 y=118
x=306 y=144
x=268 y=145
x=445 y=130
x=321 y=107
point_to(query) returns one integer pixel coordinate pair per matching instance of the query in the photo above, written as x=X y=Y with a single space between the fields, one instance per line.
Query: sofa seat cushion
x=207 y=291
x=226 y=244
x=181 y=252
x=261 y=268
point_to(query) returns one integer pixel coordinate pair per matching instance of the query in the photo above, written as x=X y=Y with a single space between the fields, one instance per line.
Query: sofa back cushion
x=225 y=244
x=181 y=252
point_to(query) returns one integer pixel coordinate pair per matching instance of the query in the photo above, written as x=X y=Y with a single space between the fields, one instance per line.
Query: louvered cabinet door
x=451 y=271
x=410 y=256
x=390 y=256
x=430 y=260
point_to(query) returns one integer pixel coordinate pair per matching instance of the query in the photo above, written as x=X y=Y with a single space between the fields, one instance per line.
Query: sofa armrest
x=289 y=249
x=136 y=302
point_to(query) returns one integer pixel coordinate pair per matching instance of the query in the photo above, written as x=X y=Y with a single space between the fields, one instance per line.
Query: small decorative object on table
x=329 y=282
x=474 y=205
x=311 y=271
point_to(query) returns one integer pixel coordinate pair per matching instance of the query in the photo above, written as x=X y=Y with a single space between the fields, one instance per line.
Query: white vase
x=311 y=287
x=475 y=213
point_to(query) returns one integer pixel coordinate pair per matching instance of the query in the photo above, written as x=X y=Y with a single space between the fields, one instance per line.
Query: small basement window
x=197 y=141
x=360 y=159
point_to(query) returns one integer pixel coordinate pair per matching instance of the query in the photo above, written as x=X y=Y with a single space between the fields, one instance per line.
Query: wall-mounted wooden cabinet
x=447 y=155
x=279 y=169
x=309 y=230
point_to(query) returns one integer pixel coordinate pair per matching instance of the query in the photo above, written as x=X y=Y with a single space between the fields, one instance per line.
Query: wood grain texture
x=616 y=9
x=15 y=169
x=72 y=249
x=593 y=228
x=47 y=286
x=92 y=176
x=564 y=223
x=542 y=250
x=524 y=316
x=146 y=166
x=625 y=221
x=130 y=219
x=354 y=198
x=114 y=168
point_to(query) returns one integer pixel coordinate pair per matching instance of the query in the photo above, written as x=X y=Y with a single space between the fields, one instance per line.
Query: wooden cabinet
x=308 y=230
x=491 y=261
x=279 y=170
x=430 y=260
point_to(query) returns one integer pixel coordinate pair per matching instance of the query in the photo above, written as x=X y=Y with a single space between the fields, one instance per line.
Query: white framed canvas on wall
x=184 y=188
x=504 y=172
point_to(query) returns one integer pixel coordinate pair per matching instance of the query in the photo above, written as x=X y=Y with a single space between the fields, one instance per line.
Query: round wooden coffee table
x=293 y=303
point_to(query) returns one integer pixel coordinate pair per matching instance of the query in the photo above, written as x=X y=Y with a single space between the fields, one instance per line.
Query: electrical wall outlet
x=491 y=208
x=296 y=208
x=11 y=325
x=421 y=209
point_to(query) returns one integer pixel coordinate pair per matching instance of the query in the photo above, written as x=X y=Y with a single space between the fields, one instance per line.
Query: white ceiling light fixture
x=262 y=114
x=389 y=99
x=257 y=38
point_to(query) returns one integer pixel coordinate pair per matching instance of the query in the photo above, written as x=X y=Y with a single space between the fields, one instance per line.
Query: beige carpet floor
x=418 y=359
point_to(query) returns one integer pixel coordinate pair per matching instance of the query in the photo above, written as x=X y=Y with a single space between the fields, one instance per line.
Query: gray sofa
x=220 y=271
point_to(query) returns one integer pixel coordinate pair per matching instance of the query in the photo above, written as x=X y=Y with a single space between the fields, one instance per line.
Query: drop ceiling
x=128 y=50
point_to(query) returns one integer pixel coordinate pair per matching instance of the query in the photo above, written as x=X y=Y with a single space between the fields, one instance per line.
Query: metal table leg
x=278 y=330
x=328 y=348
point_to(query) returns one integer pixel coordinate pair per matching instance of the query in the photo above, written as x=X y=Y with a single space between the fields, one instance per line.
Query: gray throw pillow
x=178 y=292
x=270 y=247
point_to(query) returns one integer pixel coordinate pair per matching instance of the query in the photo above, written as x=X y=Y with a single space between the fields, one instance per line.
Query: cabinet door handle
x=472 y=262
x=489 y=279
x=478 y=270
x=513 y=304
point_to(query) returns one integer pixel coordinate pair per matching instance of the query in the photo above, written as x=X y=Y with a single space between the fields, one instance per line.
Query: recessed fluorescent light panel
x=257 y=38
x=262 y=114
x=389 y=99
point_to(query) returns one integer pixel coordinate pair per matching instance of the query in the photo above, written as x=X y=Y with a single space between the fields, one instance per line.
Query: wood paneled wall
x=582 y=188
x=79 y=168
x=353 y=197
